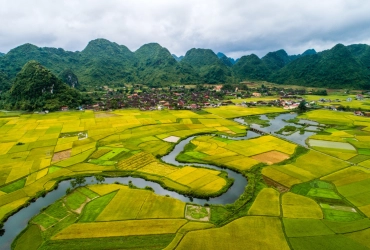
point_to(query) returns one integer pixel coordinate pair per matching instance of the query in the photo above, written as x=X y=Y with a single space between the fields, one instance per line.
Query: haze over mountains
x=106 y=63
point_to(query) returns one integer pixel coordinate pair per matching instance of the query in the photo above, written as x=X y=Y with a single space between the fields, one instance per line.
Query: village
x=213 y=96
x=190 y=98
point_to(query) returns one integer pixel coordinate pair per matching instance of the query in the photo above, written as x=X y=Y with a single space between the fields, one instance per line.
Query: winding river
x=17 y=222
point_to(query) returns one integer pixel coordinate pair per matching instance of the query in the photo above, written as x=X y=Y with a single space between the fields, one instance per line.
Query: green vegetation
x=57 y=210
x=155 y=66
x=329 y=242
x=29 y=239
x=14 y=186
x=338 y=67
x=36 y=88
x=253 y=119
x=305 y=227
x=44 y=220
x=196 y=212
x=95 y=207
x=346 y=227
x=142 y=242
x=288 y=129
x=75 y=200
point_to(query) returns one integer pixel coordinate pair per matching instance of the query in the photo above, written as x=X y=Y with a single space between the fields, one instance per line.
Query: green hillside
x=335 y=68
x=35 y=87
x=210 y=68
x=107 y=63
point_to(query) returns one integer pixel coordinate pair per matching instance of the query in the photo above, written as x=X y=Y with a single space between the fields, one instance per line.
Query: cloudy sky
x=235 y=27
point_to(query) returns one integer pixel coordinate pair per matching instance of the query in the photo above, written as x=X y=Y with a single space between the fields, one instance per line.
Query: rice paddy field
x=239 y=155
x=38 y=150
x=296 y=198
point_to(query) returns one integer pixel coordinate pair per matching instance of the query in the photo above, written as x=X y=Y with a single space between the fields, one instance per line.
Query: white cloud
x=235 y=27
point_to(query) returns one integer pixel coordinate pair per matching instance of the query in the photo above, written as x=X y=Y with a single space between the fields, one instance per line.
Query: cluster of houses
x=200 y=97
x=155 y=99
x=286 y=104
x=361 y=113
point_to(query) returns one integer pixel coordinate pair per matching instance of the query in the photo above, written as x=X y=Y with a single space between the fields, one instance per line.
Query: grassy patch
x=305 y=227
x=288 y=129
x=144 y=242
x=364 y=151
x=87 y=192
x=75 y=200
x=324 y=193
x=30 y=239
x=219 y=213
x=120 y=228
x=14 y=186
x=57 y=210
x=70 y=219
x=327 y=242
x=100 y=153
x=95 y=207
x=339 y=215
x=255 y=119
x=347 y=227
x=196 y=212
x=359 y=158
x=44 y=220
x=53 y=169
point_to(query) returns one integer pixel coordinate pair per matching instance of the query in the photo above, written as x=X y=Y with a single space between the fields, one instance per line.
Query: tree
x=228 y=87
x=99 y=178
x=302 y=107
x=78 y=181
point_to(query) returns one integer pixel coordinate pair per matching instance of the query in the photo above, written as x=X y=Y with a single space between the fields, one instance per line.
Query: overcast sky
x=235 y=27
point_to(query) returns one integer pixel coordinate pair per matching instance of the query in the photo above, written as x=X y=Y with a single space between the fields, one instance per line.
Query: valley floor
x=296 y=197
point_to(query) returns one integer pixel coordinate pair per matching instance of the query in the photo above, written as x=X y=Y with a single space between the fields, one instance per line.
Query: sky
x=234 y=27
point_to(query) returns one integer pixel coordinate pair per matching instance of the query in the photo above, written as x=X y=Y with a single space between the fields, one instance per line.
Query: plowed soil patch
x=62 y=155
x=271 y=157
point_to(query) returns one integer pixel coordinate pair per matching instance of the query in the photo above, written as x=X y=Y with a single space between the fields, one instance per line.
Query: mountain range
x=107 y=63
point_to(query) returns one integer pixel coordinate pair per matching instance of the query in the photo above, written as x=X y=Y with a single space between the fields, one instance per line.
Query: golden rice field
x=317 y=199
x=267 y=203
x=306 y=167
x=354 y=184
x=240 y=155
x=119 y=228
x=36 y=150
x=237 y=111
x=256 y=232
x=297 y=206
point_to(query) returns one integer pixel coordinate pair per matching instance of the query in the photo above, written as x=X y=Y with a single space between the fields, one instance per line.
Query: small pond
x=281 y=121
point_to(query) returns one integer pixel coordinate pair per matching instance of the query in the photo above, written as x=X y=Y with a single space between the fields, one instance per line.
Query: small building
x=180 y=103
x=96 y=107
x=64 y=108
x=218 y=88
x=193 y=106
x=256 y=94
x=359 y=97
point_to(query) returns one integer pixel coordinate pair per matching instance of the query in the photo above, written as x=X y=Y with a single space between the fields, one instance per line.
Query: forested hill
x=35 y=87
x=338 y=67
x=106 y=63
